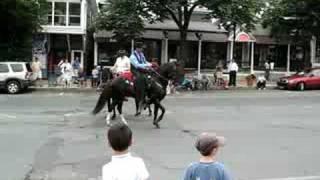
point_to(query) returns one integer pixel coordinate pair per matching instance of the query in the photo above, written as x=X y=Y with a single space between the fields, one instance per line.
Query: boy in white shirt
x=123 y=166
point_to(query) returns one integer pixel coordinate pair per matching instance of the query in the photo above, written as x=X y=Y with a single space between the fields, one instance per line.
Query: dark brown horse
x=154 y=87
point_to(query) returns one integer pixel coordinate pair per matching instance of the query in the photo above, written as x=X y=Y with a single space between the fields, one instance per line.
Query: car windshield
x=304 y=73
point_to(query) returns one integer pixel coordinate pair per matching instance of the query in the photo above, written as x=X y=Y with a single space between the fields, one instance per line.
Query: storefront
x=63 y=35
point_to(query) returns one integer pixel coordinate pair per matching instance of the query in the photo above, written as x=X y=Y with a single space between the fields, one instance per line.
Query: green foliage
x=126 y=18
x=20 y=19
x=122 y=17
x=241 y=13
x=297 y=19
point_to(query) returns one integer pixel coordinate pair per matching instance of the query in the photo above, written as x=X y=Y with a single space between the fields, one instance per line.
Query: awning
x=270 y=40
x=172 y=35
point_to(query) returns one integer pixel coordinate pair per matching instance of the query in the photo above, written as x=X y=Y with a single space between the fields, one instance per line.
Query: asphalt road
x=270 y=134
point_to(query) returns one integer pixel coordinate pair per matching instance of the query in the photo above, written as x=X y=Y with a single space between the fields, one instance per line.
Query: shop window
x=60 y=13
x=74 y=14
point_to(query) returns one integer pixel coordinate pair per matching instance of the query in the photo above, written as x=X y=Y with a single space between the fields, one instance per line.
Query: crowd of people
x=124 y=166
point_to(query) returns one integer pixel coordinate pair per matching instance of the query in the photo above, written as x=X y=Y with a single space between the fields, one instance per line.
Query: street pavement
x=270 y=135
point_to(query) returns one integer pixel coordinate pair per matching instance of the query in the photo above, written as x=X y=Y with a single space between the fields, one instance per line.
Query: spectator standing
x=123 y=166
x=233 y=69
x=95 y=77
x=76 y=67
x=36 y=69
x=267 y=70
x=208 y=167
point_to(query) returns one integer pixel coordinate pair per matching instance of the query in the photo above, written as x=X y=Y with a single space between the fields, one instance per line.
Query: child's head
x=120 y=137
x=207 y=144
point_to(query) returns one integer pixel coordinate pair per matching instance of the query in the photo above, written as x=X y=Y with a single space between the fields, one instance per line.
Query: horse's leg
x=113 y=109
x=120 y=112
x=155 y=113
x=110 y=108
x=149 y=108
x=137 y=102
x=163 y=110
x=114 y=114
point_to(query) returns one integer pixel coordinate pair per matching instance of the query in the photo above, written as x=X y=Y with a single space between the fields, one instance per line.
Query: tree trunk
x=183 y=56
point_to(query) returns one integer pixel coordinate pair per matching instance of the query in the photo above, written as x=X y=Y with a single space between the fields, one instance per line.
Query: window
x=60 y=13
x=17 y=67
x=4 y=68
x=49 y=15
x=74 y=14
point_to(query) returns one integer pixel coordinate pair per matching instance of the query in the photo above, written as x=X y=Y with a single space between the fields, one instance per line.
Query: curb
x=93 y=90
x=71 y=90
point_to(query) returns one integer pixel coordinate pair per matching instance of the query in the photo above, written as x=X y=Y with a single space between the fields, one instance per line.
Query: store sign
x=243 y=37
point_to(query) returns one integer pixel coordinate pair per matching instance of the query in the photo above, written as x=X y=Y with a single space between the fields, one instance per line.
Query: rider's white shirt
x=122 y=64
x=125 y=167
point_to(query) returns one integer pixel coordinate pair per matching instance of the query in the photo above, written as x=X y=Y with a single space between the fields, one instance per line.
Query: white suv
x=15 y=76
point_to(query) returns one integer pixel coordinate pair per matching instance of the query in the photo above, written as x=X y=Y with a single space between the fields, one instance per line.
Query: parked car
x=15 y=76
x=309 y=79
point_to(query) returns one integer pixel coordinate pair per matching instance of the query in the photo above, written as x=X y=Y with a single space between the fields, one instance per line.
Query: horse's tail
x=104 y=97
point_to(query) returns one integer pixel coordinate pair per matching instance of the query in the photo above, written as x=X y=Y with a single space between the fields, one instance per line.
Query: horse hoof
x=156 y=124
x=137 y=114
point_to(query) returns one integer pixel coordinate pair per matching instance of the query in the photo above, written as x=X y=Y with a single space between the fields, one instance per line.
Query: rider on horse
x=138 y=60
x=122 y=67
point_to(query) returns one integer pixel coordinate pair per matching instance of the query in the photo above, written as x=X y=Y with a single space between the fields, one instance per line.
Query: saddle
x=127 y=75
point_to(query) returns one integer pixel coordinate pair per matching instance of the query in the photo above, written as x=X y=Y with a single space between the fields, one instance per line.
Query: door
x=77 y=54
x=316 y=78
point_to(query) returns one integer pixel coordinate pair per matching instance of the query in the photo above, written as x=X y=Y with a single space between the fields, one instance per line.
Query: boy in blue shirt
x=208 y=168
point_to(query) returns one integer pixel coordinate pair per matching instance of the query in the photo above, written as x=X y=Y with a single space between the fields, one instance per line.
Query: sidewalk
x=45 y=87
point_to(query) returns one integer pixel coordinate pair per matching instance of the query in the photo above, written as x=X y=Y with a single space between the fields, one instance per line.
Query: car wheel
x=13 y=87
x=301 y=86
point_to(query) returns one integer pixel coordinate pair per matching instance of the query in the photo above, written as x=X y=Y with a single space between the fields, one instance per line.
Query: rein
x=159 y=75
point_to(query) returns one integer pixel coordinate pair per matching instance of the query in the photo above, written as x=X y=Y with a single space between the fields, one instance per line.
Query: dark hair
x=206 y=143
x=139 y=45
x=119 y=136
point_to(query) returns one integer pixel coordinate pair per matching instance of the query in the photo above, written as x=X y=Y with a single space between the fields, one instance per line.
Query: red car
x=309 y=79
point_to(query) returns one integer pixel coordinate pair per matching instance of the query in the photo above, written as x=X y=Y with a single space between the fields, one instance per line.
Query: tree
x=233 y=14
x=299 y=19
x=295 y=20
x=20 y=18
x=115 y=18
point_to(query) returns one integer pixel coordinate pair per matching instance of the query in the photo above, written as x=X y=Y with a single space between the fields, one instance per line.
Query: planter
x=251 y=79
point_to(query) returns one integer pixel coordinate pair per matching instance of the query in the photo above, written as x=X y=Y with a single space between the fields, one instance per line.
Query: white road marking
x=296 y=178
x=75 y=114
x=8 y=116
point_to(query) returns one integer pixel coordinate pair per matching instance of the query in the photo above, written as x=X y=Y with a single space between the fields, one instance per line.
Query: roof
x=196 y=26
x=172 y=35
x=210 y=31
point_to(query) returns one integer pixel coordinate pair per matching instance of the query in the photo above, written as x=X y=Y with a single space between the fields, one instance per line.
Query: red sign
x=243 y=37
